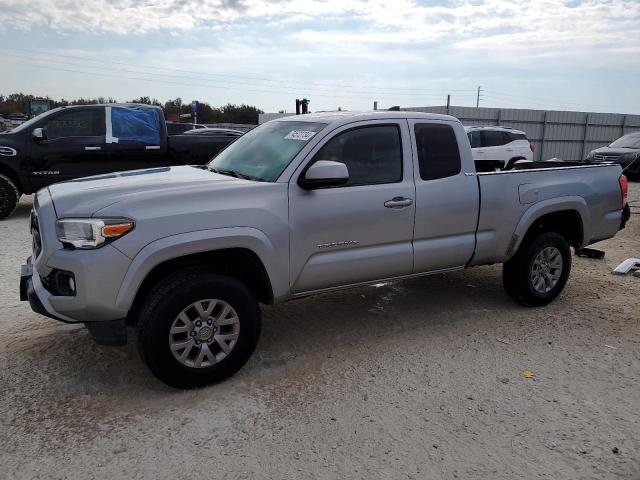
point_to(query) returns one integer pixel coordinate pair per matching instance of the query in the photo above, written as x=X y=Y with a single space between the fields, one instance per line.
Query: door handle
x=92 y=149
x=398 y=202
x=509 y=149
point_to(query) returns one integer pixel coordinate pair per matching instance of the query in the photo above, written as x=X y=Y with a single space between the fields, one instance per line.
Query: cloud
x=542 y=27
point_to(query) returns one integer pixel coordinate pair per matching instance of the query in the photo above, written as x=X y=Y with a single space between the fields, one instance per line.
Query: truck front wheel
x=197 y=328
x=9 y=196
x=538 y=272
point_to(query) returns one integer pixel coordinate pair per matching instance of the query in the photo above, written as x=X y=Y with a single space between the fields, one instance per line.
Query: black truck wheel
x=9 y=196
x=197 y=328
x=538 y=272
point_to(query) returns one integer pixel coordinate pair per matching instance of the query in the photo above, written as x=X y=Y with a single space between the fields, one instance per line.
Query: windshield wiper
x=234 y=173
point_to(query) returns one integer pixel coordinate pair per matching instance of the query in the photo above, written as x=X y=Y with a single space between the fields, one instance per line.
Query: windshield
x=628 y=141
x=28 y=123
x=264 y=152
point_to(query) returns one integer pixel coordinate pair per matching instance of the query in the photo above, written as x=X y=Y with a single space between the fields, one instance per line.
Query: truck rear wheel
x=9 y=196
x=538 y=272
x=197 y=328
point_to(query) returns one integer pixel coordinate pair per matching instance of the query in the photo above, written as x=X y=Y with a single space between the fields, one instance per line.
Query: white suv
x=495 y=147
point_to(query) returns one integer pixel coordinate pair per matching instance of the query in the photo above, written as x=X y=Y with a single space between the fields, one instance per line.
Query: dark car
x=625 y=151
x=84 y=140
x=215 y=131
x=176 y=128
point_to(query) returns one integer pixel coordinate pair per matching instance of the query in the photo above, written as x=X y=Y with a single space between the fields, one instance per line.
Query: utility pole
x=478 y=97
x=448 y=103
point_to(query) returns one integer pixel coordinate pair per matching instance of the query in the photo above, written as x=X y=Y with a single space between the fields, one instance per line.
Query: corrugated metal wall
x=565 y=135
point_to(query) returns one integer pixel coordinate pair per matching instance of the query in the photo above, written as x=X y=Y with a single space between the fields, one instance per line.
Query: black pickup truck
x=78 y=141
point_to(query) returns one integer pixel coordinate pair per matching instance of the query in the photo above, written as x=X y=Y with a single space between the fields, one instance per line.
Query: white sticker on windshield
x=303 y=135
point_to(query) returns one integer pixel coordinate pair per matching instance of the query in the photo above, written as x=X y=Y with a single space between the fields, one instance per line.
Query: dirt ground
x=416 y=379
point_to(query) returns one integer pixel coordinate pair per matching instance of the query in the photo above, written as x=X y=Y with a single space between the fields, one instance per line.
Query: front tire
x=539 y=271
x=197 y=328
x=9 y=196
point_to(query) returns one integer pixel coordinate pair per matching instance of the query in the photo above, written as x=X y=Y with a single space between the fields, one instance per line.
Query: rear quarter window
x=495 y=138
x=516 y=136
x=438 y=152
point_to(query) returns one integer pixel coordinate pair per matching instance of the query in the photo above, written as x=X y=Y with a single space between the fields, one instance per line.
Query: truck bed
x=514 y=197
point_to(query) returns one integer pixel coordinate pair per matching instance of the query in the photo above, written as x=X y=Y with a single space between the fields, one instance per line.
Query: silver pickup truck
x=297 y=206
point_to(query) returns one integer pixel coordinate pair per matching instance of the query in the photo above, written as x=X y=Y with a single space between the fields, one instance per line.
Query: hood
x=84 y=197
x=613 y=152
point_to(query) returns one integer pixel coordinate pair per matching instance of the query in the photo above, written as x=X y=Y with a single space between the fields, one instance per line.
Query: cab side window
x=136 y=125
x=75 y=123
x=438 y=152
x=495 y=138
x=373 y=154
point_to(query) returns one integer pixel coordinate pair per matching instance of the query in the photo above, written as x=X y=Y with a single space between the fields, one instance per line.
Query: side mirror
x=38 y=134
x=325 y=173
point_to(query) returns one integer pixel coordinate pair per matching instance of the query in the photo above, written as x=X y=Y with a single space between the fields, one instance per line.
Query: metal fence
x=565 y=135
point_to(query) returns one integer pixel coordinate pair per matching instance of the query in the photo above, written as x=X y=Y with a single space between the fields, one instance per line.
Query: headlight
x=91 y=232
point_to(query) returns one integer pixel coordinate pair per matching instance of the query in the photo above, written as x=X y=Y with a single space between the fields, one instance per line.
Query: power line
x=544 y=100
x=244 y=77
x=289 y=92
x=166 y=75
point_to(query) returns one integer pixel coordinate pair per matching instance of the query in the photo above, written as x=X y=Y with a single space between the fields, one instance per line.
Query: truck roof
x=66 y=107
x=347 y=117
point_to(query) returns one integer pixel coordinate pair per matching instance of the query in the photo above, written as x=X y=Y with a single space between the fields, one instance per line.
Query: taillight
x=624 y=189
x=532 y=147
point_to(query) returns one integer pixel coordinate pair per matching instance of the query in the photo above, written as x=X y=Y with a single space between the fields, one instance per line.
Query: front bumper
x=28 y=293
x=110 y=332
x=98 y=275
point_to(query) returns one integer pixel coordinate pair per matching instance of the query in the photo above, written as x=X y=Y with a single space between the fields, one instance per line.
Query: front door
x=73 y=146
x=361 y=231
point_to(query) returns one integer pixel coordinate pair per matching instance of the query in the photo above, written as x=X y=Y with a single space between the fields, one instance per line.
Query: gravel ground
x=415 y=379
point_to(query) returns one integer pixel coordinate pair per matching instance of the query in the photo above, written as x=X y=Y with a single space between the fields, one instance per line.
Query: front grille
x=8 y=151
x=35 y=234
x=605 y=158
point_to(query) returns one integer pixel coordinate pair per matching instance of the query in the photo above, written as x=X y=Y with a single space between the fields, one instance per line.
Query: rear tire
x=539 y=271
x=9 y=196
x=217 y=319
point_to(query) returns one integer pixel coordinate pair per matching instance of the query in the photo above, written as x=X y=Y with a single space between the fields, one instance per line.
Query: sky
x=541 y=54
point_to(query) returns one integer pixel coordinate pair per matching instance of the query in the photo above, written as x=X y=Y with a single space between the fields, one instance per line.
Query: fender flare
x=183 y=244
x=552 y=205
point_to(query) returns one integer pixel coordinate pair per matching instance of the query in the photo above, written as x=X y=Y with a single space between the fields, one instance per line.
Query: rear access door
x=135 y=138
x=447 y=197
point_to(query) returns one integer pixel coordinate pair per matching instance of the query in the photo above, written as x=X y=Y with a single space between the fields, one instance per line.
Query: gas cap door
x=528 y=193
